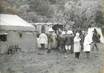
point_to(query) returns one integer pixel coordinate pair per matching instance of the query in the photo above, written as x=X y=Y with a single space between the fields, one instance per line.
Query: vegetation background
x=81 y=12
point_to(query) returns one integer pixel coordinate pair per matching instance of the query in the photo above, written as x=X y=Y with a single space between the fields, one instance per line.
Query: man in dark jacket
x=96 y=39
x=69 y=41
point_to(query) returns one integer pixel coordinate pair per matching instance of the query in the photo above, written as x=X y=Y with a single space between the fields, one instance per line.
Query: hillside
x=63 y=11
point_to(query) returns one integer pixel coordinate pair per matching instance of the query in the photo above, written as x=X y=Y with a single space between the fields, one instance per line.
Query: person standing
x=54 y=43
x=61 y=41
x=77 y=45
x=69 y=41
x=43 y=40
x=87 y=44
x=96 y=39
x=82 y=36
x=50 y=40
x=38 y=45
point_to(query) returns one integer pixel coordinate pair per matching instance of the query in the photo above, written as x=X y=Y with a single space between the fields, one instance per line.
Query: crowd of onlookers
x=69 y=41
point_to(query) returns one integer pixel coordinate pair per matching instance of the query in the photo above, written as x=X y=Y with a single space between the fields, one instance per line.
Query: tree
x=81 y=12
x=41 y=7
x=5 y=7
x=99 y=19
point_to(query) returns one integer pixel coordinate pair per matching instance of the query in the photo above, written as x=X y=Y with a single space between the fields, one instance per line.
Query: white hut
x=18 y=32
x=47 y=25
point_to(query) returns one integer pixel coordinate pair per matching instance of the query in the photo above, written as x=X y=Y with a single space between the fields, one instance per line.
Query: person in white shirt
x=43 y=40
x=77 y=45
x=88 y=41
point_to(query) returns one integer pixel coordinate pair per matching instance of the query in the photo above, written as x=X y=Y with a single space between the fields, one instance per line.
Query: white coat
x=43 y=39
x=88 y=40
x=77 y=46
x=87 y=43
x=90 y=34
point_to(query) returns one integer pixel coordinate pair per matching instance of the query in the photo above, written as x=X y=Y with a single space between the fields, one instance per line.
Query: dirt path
x=54 y=62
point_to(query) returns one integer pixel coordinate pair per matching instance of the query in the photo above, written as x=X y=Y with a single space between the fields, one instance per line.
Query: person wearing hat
x=77 y=45
x=50 y=39
x=69 y=41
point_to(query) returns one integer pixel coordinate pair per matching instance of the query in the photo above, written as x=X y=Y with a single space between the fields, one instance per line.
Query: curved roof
x=14 y=22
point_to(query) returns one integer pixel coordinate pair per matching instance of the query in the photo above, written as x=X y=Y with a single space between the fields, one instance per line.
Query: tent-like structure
x=14 y=22
x=18 y=32
x=99 y=31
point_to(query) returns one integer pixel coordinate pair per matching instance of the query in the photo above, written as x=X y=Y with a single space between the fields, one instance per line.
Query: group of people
x=69 y=41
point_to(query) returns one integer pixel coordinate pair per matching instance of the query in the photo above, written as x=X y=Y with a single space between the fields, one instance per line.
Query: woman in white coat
x=77 y=45
x=87 y=43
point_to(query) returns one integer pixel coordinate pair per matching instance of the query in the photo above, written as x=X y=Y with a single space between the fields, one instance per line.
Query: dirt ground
x=54 y=62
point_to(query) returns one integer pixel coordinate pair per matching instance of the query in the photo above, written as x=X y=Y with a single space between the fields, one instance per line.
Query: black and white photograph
x=51 y=36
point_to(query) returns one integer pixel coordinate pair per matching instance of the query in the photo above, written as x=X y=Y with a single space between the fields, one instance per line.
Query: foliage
x=6 y=8
x=68 y=12
x=41 y=7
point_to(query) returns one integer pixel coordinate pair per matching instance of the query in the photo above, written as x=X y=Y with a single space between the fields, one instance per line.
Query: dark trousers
x=77 y=54
x=72 y=48
x=82 y=46
x=95 y=45
x=42 y=46
x=87 y=54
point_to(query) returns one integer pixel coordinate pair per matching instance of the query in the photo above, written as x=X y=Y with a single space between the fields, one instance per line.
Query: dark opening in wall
x=20 y=34
x=3 y=37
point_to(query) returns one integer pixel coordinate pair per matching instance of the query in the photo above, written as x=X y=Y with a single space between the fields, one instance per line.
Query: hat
x=69 y=32
x=63 y=32
x=50 y=29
